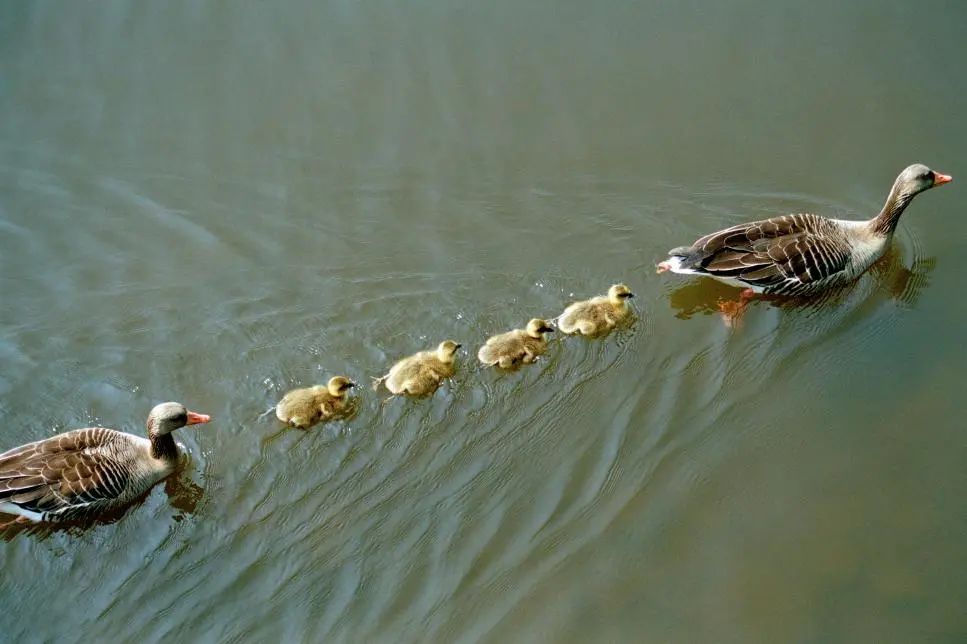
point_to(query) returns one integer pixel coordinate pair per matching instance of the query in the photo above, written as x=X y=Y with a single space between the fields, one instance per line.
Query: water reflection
x=905 y=285
x=278 y=194
x=183 y=494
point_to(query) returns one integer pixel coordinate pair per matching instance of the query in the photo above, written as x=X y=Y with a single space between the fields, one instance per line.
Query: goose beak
x=940 y=179
x=195 y=419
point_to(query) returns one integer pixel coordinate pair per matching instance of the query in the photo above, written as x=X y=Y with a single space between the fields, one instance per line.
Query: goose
x=303 y=408
x=520 y=346
x=599 y=314
x=91 y=470
x=799 y=254
x=422 y=373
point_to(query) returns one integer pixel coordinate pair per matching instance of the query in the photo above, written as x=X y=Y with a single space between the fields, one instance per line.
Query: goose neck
x=886 y=222
x=163 y=447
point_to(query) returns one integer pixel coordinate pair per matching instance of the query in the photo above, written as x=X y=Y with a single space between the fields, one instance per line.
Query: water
x=213 y=204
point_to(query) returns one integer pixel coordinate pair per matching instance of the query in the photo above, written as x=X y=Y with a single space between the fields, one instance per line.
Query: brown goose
x=800 y=254
x=91 y=470
x=513 y=348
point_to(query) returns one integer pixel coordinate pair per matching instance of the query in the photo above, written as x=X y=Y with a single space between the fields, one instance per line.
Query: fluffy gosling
x=422 y=373
x=598 y=315
x=517 y=347
x=303 y=408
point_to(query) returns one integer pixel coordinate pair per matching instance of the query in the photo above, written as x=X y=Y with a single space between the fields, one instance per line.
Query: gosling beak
x=196 y=419
x=351 y=384
x=546 y=329
x=627 y=295
x=459 y=345
x=940 y=179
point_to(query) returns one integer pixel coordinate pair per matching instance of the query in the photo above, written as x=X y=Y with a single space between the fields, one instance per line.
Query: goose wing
x=65 y=472
x=795 y=250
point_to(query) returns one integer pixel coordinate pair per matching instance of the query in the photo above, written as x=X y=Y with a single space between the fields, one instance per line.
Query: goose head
x=167 y=417
x=618 y=294
x=537 y=327
x=447 y=350
x=339 y=386
x=917 y=178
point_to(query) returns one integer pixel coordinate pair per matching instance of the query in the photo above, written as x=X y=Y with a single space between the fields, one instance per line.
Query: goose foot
x=19 y=521
x=732 y=310
x=378 y=381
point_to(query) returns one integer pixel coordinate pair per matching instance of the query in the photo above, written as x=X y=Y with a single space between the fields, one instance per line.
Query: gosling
x=303 y=408
x=517 y=347
x=599 y=315
x=422 y=373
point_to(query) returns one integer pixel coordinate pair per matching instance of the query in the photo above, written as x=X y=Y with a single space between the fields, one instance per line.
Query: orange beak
x=940 y=179
x=195 y=419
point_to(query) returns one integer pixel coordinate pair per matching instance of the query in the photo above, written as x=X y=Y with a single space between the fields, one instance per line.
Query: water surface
x=212 y=204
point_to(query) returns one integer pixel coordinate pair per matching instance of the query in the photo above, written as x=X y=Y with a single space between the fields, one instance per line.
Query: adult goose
x=800 y=254
x=91 y=470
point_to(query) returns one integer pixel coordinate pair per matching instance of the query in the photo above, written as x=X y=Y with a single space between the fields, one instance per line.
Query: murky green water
x=210 y=203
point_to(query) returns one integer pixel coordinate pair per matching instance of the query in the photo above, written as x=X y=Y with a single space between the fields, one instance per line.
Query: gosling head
x=167 y=417
x=447 y=351
x=917 y=178
x=619 y=293
x=537 y=327
x=339 y=386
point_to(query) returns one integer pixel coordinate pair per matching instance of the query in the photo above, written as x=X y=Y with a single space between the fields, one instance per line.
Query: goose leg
x=18 y=520
x=378 y=381
x=732 y=310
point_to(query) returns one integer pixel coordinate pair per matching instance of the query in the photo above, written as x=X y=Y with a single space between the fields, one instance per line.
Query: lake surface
x=208 y=203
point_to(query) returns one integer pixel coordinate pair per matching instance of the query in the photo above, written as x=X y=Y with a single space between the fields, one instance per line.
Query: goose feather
x=90 y=470
x=803 y=253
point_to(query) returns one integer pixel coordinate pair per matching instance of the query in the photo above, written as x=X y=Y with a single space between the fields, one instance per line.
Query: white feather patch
x=675 y=266
x=12 y=508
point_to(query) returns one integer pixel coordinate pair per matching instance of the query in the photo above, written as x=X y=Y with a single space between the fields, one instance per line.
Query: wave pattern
x=388 y=191
x=436 y=517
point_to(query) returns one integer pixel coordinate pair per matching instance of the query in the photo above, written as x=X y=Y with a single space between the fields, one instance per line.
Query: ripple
x=223 y=277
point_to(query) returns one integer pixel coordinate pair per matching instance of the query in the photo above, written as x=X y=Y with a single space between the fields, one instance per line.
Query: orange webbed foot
x=732 y=310
x=16 y=521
